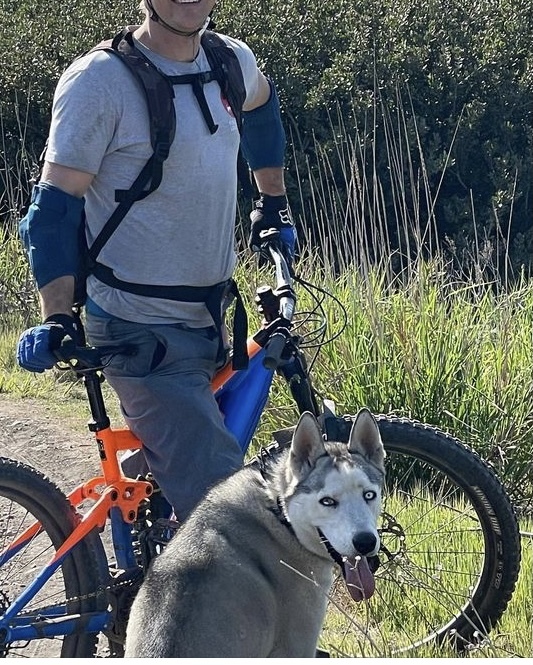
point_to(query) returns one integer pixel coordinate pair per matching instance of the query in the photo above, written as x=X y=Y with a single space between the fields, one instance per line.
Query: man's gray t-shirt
x=181 y=234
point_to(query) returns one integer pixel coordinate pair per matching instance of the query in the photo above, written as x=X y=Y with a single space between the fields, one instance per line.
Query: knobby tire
x=26 y=495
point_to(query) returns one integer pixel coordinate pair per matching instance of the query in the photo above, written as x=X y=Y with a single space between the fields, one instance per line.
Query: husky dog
x=247 y=574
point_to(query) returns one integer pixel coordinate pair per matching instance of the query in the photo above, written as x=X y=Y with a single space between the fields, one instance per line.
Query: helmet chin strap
x=154 y=16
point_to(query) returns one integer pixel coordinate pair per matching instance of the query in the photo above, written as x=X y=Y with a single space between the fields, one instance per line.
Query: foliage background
x=432 y=98
x=410 y=135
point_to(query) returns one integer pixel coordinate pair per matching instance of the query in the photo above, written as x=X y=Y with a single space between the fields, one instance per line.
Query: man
x=180 y=234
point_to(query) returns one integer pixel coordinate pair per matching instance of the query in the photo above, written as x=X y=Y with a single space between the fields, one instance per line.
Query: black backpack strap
x=121 y=210
x=224 y=61
x=239 y=358
x=159 y=95
x=240 y=331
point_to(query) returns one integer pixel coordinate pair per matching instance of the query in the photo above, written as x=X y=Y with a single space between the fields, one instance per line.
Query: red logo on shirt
x=226 y=104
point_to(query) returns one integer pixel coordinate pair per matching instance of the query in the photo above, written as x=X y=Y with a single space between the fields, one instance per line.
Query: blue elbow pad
x=263 y=137
x=50 y=232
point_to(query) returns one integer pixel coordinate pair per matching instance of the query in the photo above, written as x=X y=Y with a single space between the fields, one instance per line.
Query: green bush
x=37 y=42
x=439 y=92
x=430 y=99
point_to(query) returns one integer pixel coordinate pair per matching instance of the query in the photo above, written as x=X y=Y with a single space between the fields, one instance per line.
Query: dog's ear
x=365 y=438
x=307 y=443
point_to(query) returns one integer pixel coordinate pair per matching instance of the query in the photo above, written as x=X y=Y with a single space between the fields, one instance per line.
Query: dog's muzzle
x=358 y=572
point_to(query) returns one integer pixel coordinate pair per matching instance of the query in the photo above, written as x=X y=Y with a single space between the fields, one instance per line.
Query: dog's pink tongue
x=359 y=579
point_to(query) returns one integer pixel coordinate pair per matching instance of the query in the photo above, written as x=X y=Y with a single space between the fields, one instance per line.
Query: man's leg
x=167 y=402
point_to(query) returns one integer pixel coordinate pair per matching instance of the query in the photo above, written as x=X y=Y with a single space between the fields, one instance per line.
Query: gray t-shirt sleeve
x=88 y=94
x=248 y=65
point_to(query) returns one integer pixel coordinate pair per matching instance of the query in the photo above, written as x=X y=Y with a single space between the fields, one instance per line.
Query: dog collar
x=280 y=514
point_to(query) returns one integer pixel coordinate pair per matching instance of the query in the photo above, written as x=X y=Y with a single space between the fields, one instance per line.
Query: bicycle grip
x=274 y=349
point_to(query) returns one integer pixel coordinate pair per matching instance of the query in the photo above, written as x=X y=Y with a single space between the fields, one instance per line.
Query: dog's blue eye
x=370 y=495
x=328 y=501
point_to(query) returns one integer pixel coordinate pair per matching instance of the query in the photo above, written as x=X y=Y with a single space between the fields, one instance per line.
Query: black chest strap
x=197 y=82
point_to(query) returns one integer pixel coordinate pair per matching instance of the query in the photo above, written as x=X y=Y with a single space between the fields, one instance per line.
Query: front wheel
x=450 y=553
x=27 y=500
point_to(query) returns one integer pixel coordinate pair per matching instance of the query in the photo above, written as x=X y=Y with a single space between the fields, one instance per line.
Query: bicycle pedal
x=163 y=529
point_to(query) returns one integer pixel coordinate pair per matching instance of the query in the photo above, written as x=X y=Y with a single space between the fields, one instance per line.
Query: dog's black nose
x=365 y=542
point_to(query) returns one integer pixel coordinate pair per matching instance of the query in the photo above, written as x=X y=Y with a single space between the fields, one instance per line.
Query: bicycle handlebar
x=283 y=282
x=274 y=348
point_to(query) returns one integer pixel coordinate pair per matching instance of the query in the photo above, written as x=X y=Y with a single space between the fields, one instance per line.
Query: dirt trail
x=62 y=448
x=33 y=433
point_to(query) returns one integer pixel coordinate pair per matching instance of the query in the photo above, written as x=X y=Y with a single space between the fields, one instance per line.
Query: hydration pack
x=159 y=95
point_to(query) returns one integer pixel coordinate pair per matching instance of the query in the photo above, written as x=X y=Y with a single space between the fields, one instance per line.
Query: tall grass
x=434 y=335
x=399 y=613
x=441 y=338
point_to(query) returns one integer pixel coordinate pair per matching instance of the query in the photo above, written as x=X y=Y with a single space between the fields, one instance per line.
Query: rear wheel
x=27 y=498
x=450 y=551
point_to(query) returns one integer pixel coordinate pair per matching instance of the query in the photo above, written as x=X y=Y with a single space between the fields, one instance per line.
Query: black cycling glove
x=273 y=212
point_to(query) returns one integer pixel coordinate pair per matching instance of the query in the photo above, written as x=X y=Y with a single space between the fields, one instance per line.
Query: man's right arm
x=50 y=232
x=57 y=296
x=69 y=180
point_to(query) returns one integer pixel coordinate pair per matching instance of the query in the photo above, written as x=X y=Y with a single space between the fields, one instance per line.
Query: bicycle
x=450 y=552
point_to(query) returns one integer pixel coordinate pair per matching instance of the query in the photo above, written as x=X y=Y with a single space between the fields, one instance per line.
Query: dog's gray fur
x=246 y=576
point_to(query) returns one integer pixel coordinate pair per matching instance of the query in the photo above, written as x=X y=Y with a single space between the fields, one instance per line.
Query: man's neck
x=163 y=42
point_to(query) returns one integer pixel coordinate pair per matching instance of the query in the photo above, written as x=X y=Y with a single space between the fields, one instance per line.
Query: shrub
x=431 y=99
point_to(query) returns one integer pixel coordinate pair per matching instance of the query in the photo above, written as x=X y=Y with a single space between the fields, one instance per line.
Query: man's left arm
x=263 y=144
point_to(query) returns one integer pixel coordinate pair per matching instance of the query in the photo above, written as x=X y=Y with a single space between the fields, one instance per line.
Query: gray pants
x=166 y=398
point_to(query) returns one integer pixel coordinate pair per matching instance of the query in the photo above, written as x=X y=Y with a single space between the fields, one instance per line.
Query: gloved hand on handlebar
x=273 y=212
x=35 y=350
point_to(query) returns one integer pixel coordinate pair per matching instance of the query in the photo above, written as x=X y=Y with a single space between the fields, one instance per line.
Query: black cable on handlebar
x=311 y=288
x=289 y=322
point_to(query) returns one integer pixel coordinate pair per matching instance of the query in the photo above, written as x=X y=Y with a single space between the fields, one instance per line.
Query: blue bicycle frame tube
x=243 y=398
x=59 y=625
x=10 y=552
x=46 y=622
x=56 y=626
x=121 y=535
